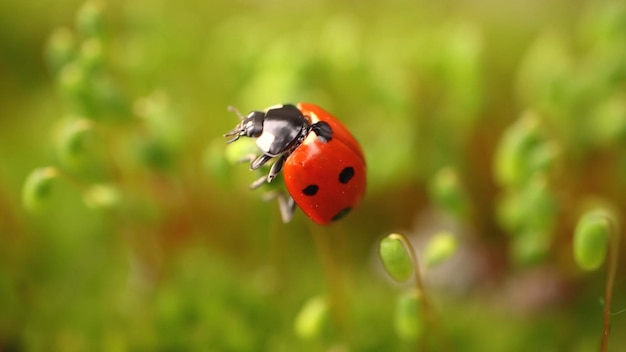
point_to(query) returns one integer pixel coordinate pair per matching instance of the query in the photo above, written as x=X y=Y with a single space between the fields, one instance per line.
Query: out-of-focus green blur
x=126 y=225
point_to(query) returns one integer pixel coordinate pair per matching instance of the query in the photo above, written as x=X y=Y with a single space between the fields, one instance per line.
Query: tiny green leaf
x=442 y=246
x=531 y=207
x=154 y=153
x=544 y=75
x=608 y=121
x=91 y=54
x=396 y=257
x=89 y=19
x=37 y=188
x=530 y=247
x=61 y=48
x=160 y=119
x=71 y=141
x=312 y=318
x=448 y=192
x=73 y=81
x=112 y=102
x=591 y=239
x=515 y=155
x=101 y=196
x=543 y=157
x=408 y=319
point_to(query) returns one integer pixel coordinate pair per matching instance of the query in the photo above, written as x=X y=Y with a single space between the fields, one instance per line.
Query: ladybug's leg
x=260 y=161
x=278 y=165
x=249 y=158
x=287 y=207
x=286 y=204
x=258 y=183
x=274 y=170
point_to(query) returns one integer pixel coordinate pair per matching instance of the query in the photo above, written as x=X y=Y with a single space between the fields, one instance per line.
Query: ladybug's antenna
x=236 y=112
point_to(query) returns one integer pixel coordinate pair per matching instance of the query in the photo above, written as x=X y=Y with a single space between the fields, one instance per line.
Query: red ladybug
x=323 y=165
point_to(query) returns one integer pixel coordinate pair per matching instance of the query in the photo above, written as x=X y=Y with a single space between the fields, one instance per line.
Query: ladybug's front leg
x=278 y=165
x=256 y=163
x=260 y=161
x=286 y=204
x=258 y=183
x=274 y=170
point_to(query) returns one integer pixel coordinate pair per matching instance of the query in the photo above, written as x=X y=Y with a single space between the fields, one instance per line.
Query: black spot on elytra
x=343 y=212
x=346 y=174
x=310 y=190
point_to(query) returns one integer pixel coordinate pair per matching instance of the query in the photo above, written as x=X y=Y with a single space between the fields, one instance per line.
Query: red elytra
x=326 y=180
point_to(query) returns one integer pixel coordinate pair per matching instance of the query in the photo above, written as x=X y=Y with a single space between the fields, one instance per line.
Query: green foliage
x=569 y=87
x=527 y=209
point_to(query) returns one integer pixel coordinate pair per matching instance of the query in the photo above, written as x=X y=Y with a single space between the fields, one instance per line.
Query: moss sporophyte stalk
x=415 y=318
x=598 y=233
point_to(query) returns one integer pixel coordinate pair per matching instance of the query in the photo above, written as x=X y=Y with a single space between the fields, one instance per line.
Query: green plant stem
x=429 y=314
x=336 y=291
x=71 y=179
x=277 y=250
x=610 y=280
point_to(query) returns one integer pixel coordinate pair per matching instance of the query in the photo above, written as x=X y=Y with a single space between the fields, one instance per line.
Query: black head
x=250 y=126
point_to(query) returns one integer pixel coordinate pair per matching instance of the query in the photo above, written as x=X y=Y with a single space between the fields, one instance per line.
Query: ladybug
x=323 y=165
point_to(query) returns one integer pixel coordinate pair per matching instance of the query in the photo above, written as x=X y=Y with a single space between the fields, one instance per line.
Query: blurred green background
x=126 y=226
